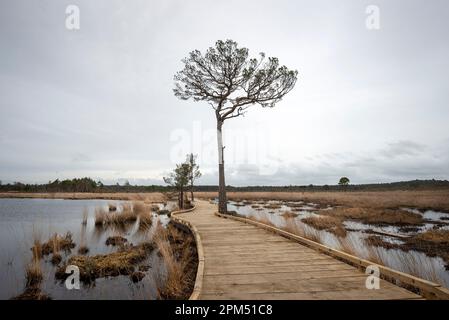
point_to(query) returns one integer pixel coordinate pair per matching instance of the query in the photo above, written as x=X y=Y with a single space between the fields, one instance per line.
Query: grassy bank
x=425 y=199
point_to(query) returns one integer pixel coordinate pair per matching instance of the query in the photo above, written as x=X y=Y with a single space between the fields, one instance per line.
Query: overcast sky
x=372 y=105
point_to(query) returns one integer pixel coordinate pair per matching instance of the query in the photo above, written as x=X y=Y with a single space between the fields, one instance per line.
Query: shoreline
x=146 y=197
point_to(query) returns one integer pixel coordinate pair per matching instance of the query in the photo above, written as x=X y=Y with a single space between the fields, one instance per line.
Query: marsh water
x=23 y=220
x=412 y=262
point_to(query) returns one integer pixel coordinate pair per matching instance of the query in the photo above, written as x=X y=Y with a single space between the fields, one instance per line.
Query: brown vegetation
x=432 y=243
x=33 y=276
x=139 y=207
x=85 y=217
x=32 y=294
x=146 y=220
x=128 y=214
x=421 y=199
x=328 y=223
x=100 y=216
x=137 y=276
x=57 y=243
x=178 y=250
x=116 y=241
x=122 y=262
x=375 y=216
x=289 y=214
x=83 y=249
x=272 y=206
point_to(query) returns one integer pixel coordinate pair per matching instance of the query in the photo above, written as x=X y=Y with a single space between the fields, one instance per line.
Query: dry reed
x=179 y=260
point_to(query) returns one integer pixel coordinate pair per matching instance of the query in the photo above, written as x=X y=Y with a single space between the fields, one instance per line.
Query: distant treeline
x=90 y=185
x=79 y=185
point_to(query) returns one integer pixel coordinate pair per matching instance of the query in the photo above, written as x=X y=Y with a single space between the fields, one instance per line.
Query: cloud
x=81 y=157
x=403 y=148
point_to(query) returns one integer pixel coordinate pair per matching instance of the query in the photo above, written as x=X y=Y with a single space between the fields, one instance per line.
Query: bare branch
x=231 y=82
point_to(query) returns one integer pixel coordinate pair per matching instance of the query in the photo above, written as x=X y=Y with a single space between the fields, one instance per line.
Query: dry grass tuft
x=347 y=245
x=139 y=207
x=83 y=249
x=32 y=294
x=85 y=217
x=289 y=215
x=56 y=258
x=293 y=227
x=374 y=254
x=36 y=250
x=146 y=220
x=272 y=206
x=117 y=263
x=56 y=246
x=313 y=235
x=328 y=223
x=178 y=251
x=127 y=215
x=116 y=241
x=33 y=274
x=57 y=243
x=100 y=216
x=436 y=236
x=118 y=219
x=262 y=219
x=417 y=266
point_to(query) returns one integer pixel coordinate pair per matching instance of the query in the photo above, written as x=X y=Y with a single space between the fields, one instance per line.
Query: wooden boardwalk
x=242 y=261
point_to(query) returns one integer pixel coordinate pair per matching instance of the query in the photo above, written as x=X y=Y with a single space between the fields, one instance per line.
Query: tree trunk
x=181 y=199
x=191 y=192
x=222 y=201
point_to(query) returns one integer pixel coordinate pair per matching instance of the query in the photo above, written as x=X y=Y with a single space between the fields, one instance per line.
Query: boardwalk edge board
x=199 y=248
x=427 y=289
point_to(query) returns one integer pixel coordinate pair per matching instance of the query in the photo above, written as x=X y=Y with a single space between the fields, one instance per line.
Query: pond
x=24 y=220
